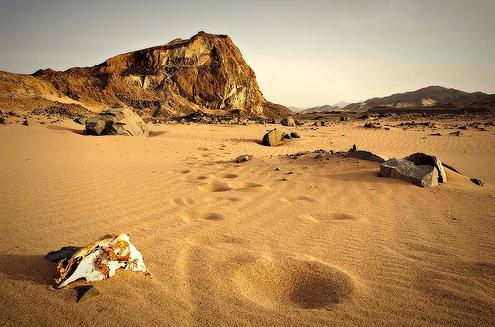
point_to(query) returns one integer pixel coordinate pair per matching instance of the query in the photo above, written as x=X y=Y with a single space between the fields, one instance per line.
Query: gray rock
x=65 y=252
x=243 y=158
x=426 y=159
x=288 y=121
x=420 y=175
x=272 y=138
x=365 y=155
x=117 y=121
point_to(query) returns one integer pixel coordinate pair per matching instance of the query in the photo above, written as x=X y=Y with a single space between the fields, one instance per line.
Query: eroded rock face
x=272 y=138
x=100 y=260
x=204 y=72
x=117 y=121
x=420 y=175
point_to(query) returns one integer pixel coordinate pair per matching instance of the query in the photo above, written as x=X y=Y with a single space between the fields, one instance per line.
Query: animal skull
x=100 y=260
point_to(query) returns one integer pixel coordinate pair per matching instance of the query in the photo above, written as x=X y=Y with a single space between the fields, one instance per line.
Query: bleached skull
x=100 y=260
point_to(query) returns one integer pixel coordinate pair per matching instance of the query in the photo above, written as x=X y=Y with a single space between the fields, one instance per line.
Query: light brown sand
x=232 y=244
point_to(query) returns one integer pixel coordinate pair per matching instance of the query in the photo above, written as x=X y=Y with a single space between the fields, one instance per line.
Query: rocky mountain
x=204 y=73
x=428 y=97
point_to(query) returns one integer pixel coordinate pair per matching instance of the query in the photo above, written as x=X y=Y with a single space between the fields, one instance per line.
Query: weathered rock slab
x=420 y=158
x=420 y=175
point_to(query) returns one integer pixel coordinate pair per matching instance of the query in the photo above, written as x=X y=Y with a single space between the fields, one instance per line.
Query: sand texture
x=316 y=242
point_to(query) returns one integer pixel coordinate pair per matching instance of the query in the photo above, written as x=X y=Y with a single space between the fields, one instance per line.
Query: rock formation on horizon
x=428 y=97
x=204 y=73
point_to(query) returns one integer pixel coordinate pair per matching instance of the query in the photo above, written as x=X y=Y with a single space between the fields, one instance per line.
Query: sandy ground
x=234 y=244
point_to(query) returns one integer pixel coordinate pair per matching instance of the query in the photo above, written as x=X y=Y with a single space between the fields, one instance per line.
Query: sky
x=304 y=53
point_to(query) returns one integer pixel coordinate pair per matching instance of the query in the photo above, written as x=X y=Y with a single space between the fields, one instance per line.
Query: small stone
x=478 y=181
x=86 y=292
x=243 y=158
x=435 y=134
x=456 y=133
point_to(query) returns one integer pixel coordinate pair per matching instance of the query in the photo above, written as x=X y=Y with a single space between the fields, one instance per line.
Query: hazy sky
x=304 y=53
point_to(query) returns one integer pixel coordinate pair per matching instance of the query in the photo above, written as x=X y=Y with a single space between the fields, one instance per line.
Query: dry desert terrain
x=274 y=241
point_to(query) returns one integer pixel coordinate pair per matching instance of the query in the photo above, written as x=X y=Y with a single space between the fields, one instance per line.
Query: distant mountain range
x=325 y=108
x=428 y=97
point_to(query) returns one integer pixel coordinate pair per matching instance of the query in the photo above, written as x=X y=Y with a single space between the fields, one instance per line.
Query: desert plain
x=278 y=240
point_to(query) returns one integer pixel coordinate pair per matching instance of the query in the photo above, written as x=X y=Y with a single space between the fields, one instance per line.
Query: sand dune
x=316 y=242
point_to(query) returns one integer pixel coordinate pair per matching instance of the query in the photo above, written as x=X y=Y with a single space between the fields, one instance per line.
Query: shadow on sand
x=34 y=268
x=61 y=128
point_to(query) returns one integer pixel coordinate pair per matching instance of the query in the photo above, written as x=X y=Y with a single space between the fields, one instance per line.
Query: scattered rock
x=371 y=125
x=478 y=181
x=464 y=127
x=456 y=133
x=117 y=121
x=420 y=175
x=272 y=138
x=86 y=292
x=435 y=134
x=288 y=121
x=419 y=158
x=65 y=252
x=365 y=155
x=243 y=158
x=344 y=118
x=2 y=120
x=291 y=135
x=80 y=120
x=365 y=116
x=25 y=122
x=323 y=123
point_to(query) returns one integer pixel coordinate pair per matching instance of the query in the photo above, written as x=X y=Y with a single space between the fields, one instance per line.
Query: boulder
x=288 y=121
x=117 y=121
x=420 y=175
x=365 y=155
x=272 y=138
x=426 y=159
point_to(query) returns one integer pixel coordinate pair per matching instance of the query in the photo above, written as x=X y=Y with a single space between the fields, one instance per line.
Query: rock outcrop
x=117 y=121
x=204 y=73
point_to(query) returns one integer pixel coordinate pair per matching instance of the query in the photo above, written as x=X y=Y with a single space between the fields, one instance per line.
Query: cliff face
x=205 y=73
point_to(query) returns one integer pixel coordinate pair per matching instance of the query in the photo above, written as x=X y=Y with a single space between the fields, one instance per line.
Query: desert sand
x=316 y=242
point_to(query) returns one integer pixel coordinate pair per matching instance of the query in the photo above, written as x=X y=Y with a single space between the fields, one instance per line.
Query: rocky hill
x=205 y=73
x=429 y=97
